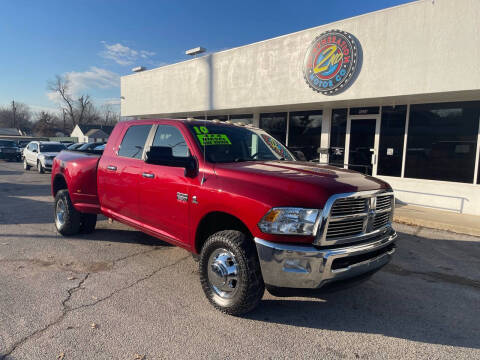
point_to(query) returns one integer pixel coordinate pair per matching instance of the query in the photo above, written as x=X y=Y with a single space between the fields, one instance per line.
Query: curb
x=465 y=230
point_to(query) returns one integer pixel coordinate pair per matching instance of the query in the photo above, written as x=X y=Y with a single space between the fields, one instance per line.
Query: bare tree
x=16 y=115
x=75 y=109
x=109 y=116
x=47 y=124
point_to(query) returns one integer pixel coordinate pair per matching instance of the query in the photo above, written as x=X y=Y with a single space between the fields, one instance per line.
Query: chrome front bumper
x=307 y=267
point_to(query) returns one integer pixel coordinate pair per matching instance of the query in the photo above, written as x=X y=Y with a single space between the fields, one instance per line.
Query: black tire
x=26 y=167
x=88 y=223
x=40 y=168
x=249 y=287
x=71 y=221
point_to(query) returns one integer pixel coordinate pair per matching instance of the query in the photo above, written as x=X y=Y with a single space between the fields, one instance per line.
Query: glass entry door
x=362 y=144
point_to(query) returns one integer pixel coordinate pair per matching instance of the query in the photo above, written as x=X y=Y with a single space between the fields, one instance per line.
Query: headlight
x=289 y=221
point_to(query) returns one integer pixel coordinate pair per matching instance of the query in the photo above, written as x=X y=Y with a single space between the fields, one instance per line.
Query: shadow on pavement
x=107 y=235
x=430 y=293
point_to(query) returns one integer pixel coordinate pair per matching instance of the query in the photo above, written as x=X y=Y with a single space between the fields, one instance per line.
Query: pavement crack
x=144 y=278
x=114 y=262
x=40 y=331
x=66 y=310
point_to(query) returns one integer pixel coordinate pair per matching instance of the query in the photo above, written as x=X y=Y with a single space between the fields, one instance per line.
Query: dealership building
x=394 y=93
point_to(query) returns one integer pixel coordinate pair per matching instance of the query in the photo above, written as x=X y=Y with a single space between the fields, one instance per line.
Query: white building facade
x=394 y=94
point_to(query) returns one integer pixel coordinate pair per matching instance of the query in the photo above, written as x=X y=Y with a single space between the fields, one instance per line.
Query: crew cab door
x=165 y=190
x=119 y=174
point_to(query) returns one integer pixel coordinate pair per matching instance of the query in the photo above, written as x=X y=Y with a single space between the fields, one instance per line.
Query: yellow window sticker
x=214 y=139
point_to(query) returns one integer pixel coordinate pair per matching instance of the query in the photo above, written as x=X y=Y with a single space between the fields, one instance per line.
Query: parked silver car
x=41 y=154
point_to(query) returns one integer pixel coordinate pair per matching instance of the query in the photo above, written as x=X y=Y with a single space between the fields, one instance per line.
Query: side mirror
x=162 y=155
x=34 y=150
x=300 y=155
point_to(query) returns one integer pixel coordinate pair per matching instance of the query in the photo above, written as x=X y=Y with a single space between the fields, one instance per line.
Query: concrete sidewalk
x=437 y=219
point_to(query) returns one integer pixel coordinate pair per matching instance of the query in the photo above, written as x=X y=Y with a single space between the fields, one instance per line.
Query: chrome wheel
x=223 y=273
x=60 y=210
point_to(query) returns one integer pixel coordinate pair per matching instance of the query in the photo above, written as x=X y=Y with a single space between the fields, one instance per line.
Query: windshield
x=51 y=147
x=224 y=143
x=8 y=143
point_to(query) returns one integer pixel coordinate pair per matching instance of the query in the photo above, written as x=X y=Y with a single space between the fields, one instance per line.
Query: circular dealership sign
x=330 y=62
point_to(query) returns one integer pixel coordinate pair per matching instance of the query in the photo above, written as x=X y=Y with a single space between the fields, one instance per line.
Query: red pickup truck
x=234 y=196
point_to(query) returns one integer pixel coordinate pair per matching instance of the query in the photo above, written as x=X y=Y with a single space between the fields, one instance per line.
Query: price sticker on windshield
x=214 y=139
x=206 y=138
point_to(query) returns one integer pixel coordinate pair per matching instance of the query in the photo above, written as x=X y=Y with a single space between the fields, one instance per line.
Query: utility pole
x=14 y=110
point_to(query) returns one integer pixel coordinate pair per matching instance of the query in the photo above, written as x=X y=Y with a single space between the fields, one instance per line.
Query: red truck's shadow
x=408 y=299
x=122 y=236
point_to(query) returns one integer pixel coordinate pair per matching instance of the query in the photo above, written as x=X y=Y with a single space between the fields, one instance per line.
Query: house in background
x=92 y=133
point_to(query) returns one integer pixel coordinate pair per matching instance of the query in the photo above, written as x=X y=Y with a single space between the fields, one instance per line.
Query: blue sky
x=97 y=41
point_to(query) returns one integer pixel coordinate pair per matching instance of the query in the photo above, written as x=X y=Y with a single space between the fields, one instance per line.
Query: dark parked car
x=88 y=147
x=74 y=146
x=9 y=150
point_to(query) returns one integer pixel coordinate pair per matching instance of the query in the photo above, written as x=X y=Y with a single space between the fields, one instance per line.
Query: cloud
x=93 y=78
x=123 y=55
x=111 y=101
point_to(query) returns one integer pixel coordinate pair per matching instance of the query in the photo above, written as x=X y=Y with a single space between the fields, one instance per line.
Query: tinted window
x=392 y=132
x=51 y=147
x=305 y=130
x=442 y=140
x=275 y=124
x=134 y=141
x=170 y=136
x=337 y=137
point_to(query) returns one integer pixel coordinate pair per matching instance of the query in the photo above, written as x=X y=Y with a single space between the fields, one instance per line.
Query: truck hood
x=294 y=182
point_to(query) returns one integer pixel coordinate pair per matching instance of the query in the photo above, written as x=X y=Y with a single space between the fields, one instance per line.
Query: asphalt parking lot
x=120 y=294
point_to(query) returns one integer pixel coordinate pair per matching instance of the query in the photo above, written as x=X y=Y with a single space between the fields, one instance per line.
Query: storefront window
x=243 y=119
x=392 y=131
x=275 y=124
x=337 y=137
x=305 y=130
x=442 y=140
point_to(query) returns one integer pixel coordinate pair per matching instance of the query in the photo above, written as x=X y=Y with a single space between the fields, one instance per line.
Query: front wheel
x=230 y=272
x=25 y=165
x=67 y=218
x=40 y=168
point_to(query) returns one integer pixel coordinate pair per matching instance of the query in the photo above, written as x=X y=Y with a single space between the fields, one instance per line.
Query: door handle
x=148 y=175
x=111 y=167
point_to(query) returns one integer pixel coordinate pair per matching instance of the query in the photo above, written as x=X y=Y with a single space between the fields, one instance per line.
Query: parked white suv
x=41 y=154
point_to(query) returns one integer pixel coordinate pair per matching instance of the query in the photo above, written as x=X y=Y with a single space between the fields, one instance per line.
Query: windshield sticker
x=214 y=139
x=276 y=146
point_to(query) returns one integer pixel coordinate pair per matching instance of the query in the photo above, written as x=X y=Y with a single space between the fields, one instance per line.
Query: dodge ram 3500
x=235 y=197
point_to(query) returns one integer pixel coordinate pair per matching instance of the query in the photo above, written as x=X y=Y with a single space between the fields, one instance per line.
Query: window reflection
x=305 y=130
x=392 y=130
x=442 y=140
x=337 y=137
x=275 y=124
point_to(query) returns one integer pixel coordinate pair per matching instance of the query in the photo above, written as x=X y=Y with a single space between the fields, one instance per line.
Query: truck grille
x=353 y=217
